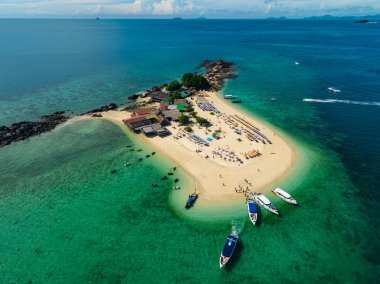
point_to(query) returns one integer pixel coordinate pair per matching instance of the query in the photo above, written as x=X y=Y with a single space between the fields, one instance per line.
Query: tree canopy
x=201 y=120
x=175 y=85
x=183 y=119
x=196 y=81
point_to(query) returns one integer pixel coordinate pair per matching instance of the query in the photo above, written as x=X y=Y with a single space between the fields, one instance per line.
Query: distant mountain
x=276 y=19
x=353 y=18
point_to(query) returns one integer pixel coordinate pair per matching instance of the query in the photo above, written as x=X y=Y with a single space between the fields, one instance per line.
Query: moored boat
x=284 y=195
x=228 y=249
x=252 y=211
x=190 y=201
x=236 y=101
x=264 y=202
x=333 y=90
x=229 y=97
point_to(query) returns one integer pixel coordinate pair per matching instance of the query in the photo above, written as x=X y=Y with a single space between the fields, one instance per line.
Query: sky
x=185 y=8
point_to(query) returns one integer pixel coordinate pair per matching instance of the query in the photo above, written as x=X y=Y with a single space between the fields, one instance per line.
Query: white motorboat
x=229 y=97
x=333 y=90
x=284 y=195
x=264 y=202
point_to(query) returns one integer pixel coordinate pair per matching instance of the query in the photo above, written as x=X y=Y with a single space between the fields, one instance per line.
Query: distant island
x=365 y=22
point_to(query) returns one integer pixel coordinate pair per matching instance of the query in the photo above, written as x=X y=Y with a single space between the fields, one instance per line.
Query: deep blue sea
x=77 y=65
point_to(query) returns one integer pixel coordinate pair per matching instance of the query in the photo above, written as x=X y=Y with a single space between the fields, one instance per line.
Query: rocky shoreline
x=25 y=129
x=217 y=72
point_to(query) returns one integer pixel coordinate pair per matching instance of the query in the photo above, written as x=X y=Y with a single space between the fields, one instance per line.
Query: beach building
x=172 y=115
x=140 y=112
x=181 y=101
x=137 y=123
x=159 y=96
x=163 y=106
x=181 y=107
x=172 y=107
x=155 y=129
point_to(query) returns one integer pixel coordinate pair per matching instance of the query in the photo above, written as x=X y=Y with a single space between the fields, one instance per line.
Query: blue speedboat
x=228 y=249
x=190 y=201
x=252 y=211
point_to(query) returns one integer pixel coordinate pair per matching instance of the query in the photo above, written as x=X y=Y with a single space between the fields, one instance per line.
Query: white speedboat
x=229 y=97
x=228 y=249
x=252 y=211
x=263 y=201
x=296 y=63
x=333 y=90
x=284 y=195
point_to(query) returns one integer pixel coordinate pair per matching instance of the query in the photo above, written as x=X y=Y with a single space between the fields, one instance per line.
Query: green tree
x=195 y=81
x=175 y=95
x=184 y=119
x=175 y=85
x=201 y=120
x=188 y=129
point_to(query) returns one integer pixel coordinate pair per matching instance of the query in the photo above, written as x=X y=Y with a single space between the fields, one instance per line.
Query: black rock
x=25 y=129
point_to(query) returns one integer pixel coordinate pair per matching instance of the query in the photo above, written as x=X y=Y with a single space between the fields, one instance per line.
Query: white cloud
x=208 y=8
x=165 y=7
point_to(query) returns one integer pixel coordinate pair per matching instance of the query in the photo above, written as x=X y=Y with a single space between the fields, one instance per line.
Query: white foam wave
x=341 y=101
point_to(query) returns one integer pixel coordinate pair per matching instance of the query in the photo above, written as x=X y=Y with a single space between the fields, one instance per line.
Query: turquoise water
x=66 y=218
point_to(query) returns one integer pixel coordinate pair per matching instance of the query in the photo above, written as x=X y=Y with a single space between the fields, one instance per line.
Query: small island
x=227 y=153
x=365 y=22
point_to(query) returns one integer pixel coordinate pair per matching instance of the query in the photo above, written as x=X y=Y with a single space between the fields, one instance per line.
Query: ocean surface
x=64 y=218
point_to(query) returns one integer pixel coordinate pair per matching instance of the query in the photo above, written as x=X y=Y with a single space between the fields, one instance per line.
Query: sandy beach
x=221 y=170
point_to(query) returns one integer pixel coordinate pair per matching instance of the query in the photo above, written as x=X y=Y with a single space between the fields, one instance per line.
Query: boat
x=164 y=178
x=229 y=97
x=284 y=195
x=140 y=159
x=176 y=180
x=333 y=90
x=252 y=211
x=147 y=156
x=153 y=153
x=190 y=201
x=170 y=174
x=228 y=249
x=154 y=184
x=296 y=63
x=273 y=99
x=263 y=201
x=237 y=101
x=176 y=187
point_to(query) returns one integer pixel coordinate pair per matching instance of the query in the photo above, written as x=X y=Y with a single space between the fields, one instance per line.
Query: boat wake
x=237 y=226
x=341 y=101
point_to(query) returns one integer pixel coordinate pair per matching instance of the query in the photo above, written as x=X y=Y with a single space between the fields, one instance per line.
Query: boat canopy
x=252 y=207
x=283 y=193
x=229 y=246
x=263 y=199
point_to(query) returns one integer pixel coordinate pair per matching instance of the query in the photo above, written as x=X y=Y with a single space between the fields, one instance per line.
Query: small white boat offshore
x=263 y=201
x=229 y=97
x=252 y=211
x=333 y=90
x=296 y=63
x=284 y=195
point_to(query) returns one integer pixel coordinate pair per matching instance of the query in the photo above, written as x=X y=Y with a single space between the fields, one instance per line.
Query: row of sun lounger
x=198 y=139
x=253 y=128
